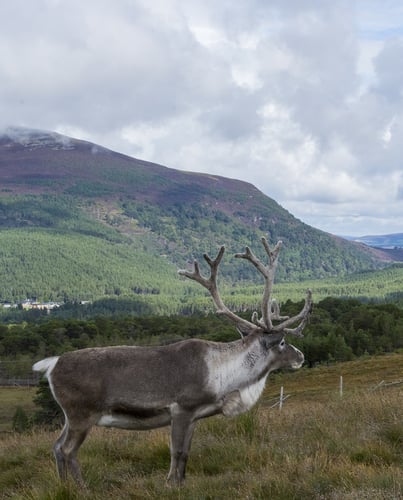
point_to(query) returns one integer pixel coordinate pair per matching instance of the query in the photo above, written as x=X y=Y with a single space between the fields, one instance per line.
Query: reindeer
x=143 y=388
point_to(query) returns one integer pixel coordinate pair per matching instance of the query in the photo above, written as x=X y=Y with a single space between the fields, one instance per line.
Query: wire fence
x=278 y=401
x=19 y=382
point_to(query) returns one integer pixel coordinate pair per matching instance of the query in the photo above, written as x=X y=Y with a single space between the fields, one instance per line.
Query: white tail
x=45 y=365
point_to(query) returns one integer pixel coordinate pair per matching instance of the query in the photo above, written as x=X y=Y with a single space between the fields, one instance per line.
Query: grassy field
x=319 y=446
x=11 y=398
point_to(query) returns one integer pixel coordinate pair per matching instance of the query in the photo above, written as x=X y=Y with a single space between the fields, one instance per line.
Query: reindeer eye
x=282 y=343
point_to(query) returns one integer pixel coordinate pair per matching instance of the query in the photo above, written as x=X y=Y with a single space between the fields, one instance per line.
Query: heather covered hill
x=72 y=211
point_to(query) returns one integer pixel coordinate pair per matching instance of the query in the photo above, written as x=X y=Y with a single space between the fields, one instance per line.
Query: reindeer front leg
x=182 y=428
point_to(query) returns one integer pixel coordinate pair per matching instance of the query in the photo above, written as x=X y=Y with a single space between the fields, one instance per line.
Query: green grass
x=320 y=446
x=322 y=382
x=11 y=398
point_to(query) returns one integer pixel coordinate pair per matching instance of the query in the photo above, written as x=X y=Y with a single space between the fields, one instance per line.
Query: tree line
x=339 y=330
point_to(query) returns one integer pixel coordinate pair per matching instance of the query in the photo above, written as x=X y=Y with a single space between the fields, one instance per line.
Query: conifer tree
x=49 y=412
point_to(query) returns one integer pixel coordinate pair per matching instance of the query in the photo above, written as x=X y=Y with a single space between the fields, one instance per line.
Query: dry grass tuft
x=348 y=448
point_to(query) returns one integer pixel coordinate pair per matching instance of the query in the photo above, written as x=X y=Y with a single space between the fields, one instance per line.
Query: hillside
x=78 y=221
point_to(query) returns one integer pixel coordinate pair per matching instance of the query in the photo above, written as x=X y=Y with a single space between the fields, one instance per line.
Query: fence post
x=280 y=405
x=341 y=386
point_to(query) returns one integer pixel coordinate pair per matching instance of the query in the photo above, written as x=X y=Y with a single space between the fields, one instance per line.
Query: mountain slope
x=65 y=193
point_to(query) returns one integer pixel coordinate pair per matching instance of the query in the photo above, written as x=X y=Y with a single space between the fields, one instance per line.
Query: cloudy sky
x=302 y=98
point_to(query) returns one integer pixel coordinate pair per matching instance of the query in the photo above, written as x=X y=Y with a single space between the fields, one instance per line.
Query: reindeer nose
x=301 y=354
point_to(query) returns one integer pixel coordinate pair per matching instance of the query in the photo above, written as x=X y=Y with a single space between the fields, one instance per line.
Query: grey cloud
x=236 y=118
x=272 y=95
x=389 y=72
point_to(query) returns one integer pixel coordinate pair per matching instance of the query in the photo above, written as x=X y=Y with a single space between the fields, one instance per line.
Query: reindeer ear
x=243 y=331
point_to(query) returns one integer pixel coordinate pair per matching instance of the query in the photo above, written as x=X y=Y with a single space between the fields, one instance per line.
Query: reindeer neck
x=237 y=364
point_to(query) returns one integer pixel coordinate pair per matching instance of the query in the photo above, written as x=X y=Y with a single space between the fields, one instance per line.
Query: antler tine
x=214 y=263
x=196 y=275
x=275 y=311
x=303 y=316
x=244 y=326
x=273 y=254
x=268 y=272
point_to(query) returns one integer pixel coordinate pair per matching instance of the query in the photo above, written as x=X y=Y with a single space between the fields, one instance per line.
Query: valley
x=79 y=222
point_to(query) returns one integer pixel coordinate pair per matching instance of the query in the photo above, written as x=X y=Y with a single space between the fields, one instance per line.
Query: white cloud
x=304 y=99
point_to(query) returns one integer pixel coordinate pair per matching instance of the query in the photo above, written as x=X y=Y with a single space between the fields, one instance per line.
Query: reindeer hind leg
x=66 y=448
x=59 y=455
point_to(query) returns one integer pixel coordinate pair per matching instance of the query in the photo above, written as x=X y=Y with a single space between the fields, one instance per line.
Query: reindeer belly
x=136 y=418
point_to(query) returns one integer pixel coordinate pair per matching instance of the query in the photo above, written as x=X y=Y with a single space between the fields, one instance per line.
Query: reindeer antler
x=268 y=272
x=244 y=326
x=270 y=308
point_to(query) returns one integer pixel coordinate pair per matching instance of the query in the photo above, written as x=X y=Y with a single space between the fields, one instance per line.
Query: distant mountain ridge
x=388 y=241
x=390 y=245
x=70 y=210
